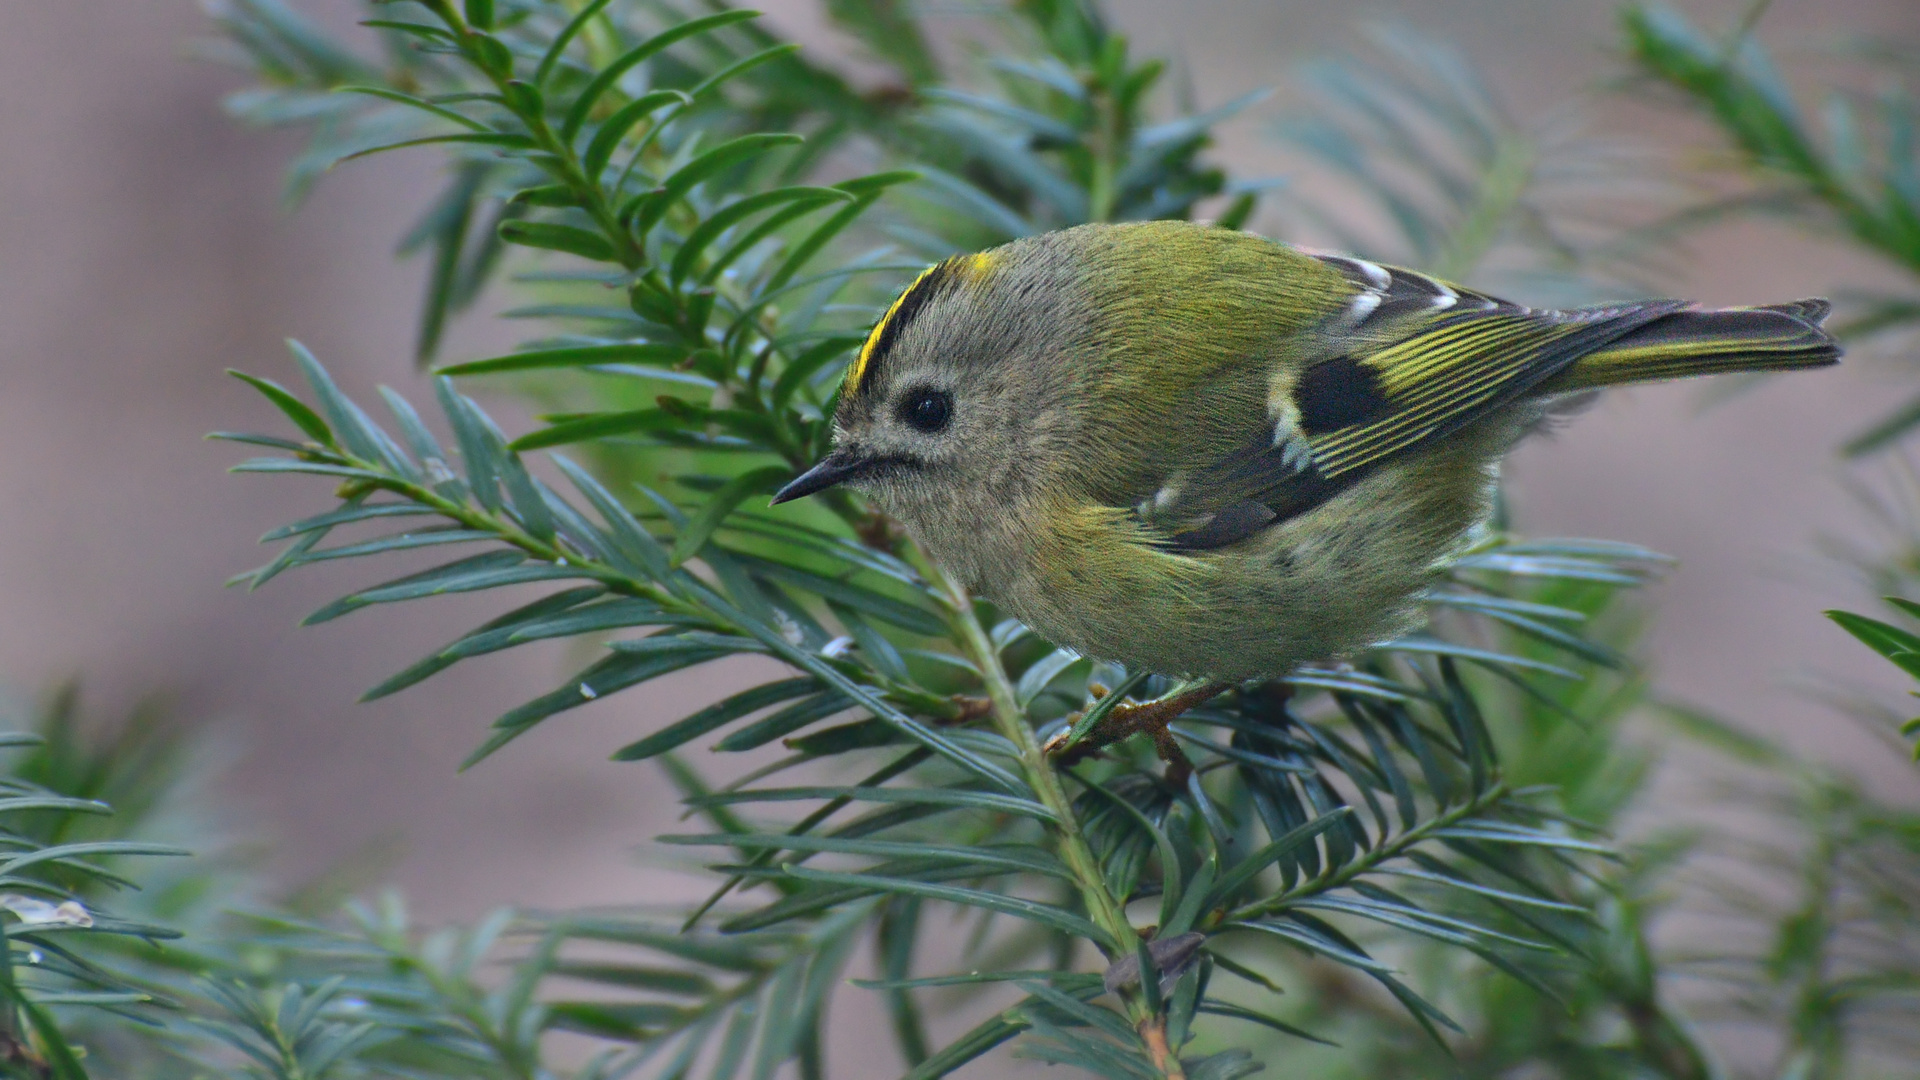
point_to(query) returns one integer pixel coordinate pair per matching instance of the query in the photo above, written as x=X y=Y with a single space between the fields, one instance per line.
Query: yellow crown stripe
x=860 y=362
x=966 y=268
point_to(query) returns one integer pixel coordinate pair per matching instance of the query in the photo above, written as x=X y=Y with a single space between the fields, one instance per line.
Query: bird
x=1207 y=454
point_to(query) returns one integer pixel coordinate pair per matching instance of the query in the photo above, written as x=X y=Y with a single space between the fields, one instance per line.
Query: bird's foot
x=1123 y=721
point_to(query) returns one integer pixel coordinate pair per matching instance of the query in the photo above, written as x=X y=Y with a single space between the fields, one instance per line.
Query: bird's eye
x=927 y=410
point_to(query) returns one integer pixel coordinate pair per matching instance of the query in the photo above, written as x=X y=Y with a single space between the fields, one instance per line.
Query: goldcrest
x=1199 y=452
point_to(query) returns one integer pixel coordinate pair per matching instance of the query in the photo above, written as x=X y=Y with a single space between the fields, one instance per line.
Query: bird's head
x=960 y=404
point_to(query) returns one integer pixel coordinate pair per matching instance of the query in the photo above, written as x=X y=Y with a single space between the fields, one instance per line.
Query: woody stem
x=1153 y=1031
x=1011 y=722
x=1148 y=718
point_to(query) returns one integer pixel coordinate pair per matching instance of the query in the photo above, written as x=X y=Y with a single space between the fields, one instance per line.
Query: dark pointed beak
x=832 y=469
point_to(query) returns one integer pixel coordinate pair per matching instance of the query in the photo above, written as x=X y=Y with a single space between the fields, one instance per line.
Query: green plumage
x=1197 y=451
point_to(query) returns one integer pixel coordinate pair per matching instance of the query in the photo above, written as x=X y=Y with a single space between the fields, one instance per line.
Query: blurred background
x=144 y=248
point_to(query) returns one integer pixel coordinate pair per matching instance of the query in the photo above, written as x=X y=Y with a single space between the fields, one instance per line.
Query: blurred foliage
x=1458 y=185
x=1062 y=134
x=82 y=813
x=1319 y=806
x=1406 y=856
x=1855 y=172
x=1811 y=896
x=1900 y=646
x=1829 y=972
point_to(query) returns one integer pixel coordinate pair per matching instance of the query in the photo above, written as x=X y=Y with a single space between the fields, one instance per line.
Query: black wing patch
x=1432 y=360
x=1339 y=393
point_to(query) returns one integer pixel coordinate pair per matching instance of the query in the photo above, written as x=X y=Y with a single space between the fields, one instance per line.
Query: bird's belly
x=1337 y=579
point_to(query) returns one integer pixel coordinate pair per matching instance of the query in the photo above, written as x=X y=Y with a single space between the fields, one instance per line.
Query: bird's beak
x=832 y=469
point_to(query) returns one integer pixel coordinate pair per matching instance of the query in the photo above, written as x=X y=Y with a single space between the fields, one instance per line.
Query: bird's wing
x=1421 y=359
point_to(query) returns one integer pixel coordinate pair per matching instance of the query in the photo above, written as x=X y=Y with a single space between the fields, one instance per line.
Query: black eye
x=927 y=410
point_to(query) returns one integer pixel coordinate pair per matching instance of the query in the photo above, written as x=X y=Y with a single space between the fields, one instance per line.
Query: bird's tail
x=1781 y=337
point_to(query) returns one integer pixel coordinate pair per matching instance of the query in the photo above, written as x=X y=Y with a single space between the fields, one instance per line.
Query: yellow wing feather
x=1451 y=370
